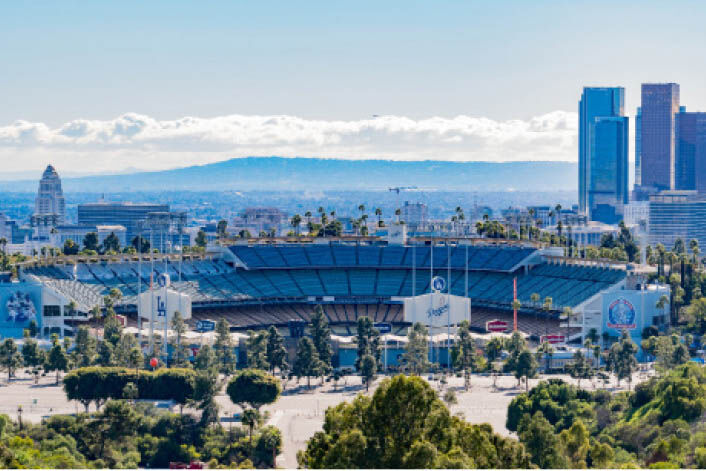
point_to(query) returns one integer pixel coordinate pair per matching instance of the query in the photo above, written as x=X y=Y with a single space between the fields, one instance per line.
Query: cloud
x=138 y=141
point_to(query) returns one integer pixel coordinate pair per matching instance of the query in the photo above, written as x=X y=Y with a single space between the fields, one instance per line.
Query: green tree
x=111 y=243
x=221 y=228
x=90 y=241
x=580 y=368
x=321 y=336
x=416 y=355
x=538 y=436
x=180 y=350
x=307 y=363
x=32 y=355
x=525 y=367
x=253 y=388
x=621 y=358
x=201 y=239
x=464 y=353
x=10 y=357
x=576 y=444
x=368 y=341
x=368 y=368
x=223 y=346
x=57 y=359
x=140 y=244
x=405 y=425
x=276 y=353
x=205 y=359
x=70 y=247
x=256 y=345
x=84 y=353
x=546 y=351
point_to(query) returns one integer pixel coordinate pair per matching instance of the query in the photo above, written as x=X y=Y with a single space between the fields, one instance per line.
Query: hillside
x=277 y=173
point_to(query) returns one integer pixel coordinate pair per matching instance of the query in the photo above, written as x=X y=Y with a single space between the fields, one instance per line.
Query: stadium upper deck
x=313 y=274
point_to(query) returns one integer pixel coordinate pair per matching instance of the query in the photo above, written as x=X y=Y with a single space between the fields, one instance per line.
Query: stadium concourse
x=254 y=286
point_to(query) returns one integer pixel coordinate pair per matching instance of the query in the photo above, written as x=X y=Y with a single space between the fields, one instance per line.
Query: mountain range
x=279 y=173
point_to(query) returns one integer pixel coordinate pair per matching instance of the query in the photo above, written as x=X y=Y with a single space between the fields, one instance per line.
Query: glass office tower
x=691 y=151
x=660 y=104
x=596 y=103
x=638 y=146
x=608 y=169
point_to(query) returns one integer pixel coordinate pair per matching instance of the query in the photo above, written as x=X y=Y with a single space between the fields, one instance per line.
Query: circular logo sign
x=163 y=280
x=621 y=314
x=438 y=283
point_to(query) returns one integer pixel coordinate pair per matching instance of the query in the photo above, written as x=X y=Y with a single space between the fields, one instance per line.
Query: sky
x=110 y=86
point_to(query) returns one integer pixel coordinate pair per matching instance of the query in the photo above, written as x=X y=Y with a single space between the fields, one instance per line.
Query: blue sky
x=497 y=62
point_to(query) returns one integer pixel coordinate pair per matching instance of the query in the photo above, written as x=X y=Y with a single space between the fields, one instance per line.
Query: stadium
x=255 y=285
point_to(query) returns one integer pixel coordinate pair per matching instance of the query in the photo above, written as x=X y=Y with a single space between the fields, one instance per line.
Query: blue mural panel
x=20 y=303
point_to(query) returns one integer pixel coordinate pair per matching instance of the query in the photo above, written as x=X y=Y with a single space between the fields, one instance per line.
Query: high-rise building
x=677 y=215
x=691 y=151
x=603 y=147
x=136 y=218
x=608 y=169
x=50 y=198
x=638 y=147
x=660 y=104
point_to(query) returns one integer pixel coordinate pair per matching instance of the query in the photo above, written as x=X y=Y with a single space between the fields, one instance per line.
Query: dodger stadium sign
x=436 y=309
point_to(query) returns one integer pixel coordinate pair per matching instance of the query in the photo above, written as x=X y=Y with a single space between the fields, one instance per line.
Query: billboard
x=437 y=309
x=163 y=303
x=20 y=304
x=496 y=326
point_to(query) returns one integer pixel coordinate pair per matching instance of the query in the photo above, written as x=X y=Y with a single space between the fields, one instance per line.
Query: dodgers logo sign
x=163 y=280
x=438 y=283
x=621 y=314
x=438 y=312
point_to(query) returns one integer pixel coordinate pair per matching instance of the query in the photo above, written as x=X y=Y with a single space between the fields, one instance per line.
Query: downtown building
x=677 y=214
x=49 y=205
x=656 y=148
x=603 y=154
x=154 y=222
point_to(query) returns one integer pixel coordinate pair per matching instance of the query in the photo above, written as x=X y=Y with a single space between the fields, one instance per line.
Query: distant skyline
x=107 y=86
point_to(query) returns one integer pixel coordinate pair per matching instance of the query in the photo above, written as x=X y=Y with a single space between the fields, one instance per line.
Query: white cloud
x=138 y=141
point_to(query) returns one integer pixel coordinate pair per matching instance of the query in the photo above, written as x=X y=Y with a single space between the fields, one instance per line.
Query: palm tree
x=378 y=213
x=398 y=212
x=534 y=297
x=296 y=221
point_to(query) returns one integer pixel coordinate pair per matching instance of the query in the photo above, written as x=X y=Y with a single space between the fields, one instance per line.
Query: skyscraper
x=638 y=147
x=50 y=198
x=691 y=151
x=660 y=104
x=602 y=150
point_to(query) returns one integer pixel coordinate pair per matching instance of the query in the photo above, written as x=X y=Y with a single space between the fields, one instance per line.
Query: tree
x=140 y=244
x=57 y=360
x=256 y=345
x=580 y=368
x=296 y=221
x=416 y=355
x=180 y=350
x=84 y=352
x=307 y=363
x=368 y=341
x=405 y=425
x=525 y=367
x=90 y=241
x=112 y=328
x=464 y=353
x=321 y=336
x=253 y=388
x=70 y=247
x=221 y=228
x=10 y=357
x=33 y=328
x=575 y=443
x=201 y=239
x=538 y=436
x=32 y=355
x=368 y=368
x=205 y=359
x=224 y=348
x=276 y=353
x=493 y=348
x=621 y=358
x=111 y=243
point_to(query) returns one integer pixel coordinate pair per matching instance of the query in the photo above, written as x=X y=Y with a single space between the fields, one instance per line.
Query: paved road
x=299 y=412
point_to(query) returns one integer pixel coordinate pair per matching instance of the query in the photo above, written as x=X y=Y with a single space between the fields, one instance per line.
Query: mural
x=20 y=304
x=20 y=308
x=621 y=314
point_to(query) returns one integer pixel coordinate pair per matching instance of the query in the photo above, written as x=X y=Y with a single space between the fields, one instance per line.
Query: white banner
x=437 y=309
x=163 y=303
